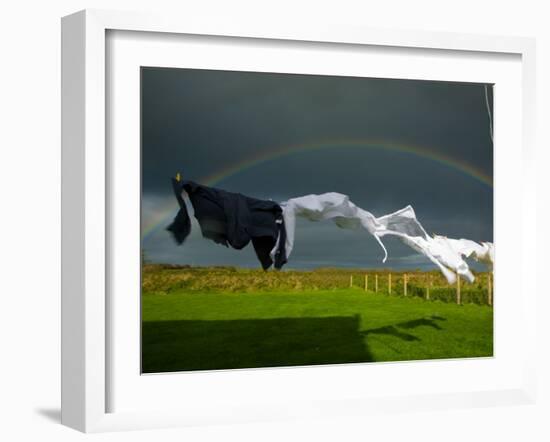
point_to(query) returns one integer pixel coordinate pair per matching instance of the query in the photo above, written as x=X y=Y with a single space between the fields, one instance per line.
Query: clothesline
x=232 y=219
x=447 y=254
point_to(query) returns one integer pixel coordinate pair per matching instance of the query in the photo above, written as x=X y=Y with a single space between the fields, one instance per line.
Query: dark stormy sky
x=203 y=123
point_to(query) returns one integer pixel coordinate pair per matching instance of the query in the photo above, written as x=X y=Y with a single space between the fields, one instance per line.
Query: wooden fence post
x=389 y=283
x=366 y=282
x=458 y=300
x=376 y=283
x=489 y=290
x=351 y=281
x=405 y=284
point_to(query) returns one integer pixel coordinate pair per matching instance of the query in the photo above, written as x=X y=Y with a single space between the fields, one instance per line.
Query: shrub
x=164 y=279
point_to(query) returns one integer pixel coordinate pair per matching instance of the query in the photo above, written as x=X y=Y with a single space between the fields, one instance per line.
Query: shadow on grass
x=207 y=345
x=394 y=330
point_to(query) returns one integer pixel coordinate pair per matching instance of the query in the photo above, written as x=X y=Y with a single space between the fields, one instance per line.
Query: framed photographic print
x=268 y=223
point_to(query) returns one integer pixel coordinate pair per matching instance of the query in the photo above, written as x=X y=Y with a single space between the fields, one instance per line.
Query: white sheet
x=447 y=254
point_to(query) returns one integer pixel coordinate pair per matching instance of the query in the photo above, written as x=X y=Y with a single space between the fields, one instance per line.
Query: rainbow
x=164 y=214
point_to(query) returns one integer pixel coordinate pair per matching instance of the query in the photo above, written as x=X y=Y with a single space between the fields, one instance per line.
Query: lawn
x=203 y=331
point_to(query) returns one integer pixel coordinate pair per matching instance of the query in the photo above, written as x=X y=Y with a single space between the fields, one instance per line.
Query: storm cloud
x=356 y=136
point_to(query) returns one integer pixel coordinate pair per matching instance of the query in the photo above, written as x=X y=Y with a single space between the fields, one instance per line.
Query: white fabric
x=336 y=206
x=406 y=227
x=484 y=252
x=444 y=252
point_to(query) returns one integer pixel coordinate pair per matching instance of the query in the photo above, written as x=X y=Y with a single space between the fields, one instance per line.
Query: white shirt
x=445 y=253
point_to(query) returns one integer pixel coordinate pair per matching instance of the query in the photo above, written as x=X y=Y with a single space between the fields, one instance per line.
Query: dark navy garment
x=232 y=219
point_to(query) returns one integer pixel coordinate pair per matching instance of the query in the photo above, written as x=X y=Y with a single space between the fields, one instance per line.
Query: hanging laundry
x=232 y=219
x=335 y=206
x=484 y=252
x=402 y=224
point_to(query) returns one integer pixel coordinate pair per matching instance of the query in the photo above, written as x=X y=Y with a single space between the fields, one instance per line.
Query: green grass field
x=222 y=330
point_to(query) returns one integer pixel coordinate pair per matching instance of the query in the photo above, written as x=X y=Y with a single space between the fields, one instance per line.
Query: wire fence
x=427 y=285
x=431 y=286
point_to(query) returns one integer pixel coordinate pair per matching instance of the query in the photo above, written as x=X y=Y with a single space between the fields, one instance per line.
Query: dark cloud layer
x=203 y=122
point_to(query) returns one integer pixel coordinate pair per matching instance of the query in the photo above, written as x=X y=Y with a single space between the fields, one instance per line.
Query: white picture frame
x=85 y=210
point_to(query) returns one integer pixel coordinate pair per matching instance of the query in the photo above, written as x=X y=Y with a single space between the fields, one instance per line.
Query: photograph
x=292 y=219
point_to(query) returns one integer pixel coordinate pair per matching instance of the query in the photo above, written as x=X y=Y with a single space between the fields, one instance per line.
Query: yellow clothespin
x=178 y=177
